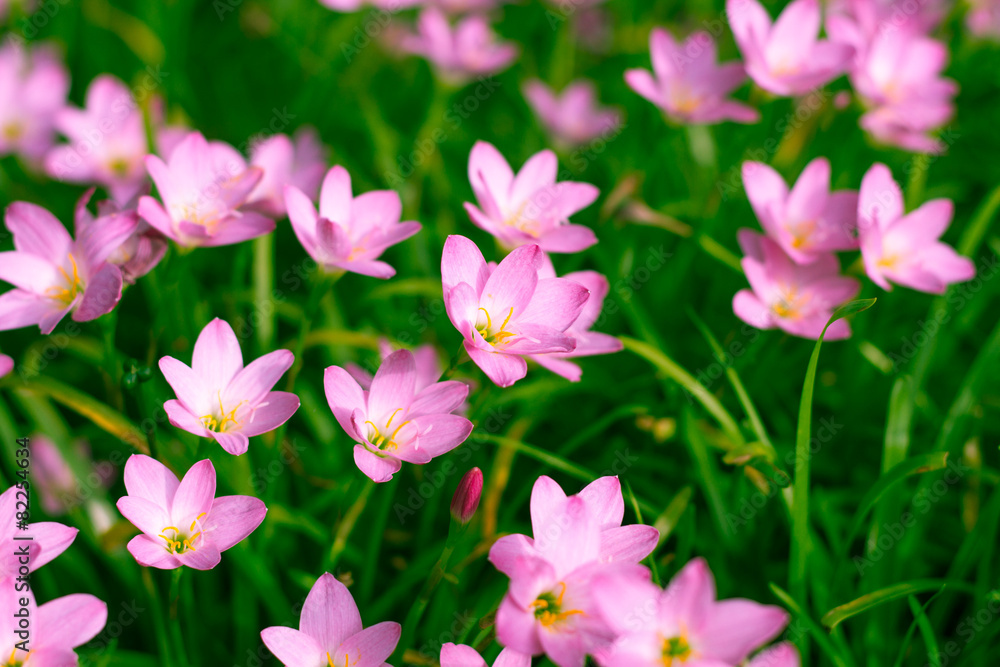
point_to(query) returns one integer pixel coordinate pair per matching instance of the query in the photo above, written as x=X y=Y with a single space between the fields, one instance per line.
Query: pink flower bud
x=466 y=500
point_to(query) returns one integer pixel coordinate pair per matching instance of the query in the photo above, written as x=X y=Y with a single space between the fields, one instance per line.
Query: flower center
x=790 y=303
x=13 y=131
x=522 y=222
x=73 y=284
x=195 y=214
x=179 y=542
x=224 y=420
x=675 y=648
x=484 y=325
x=384 y=439
x=119 y=167
x=347 y=660
x=548 y=607
x=802 y=233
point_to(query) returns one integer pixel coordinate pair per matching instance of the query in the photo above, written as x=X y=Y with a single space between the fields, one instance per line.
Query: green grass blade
x=821 y=637
x=870 y=601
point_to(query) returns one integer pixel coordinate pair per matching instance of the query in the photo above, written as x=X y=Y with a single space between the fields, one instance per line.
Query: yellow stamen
x=548 y=608
x=212 y=424
x=66 y=295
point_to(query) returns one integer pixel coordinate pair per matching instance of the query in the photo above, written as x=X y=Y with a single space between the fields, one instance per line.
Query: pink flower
x=786 y=58
x=330 y=632
x=6 y=365
x=139 y=253
x=56 y=627
x=299 y=161
x=507 y=312
x=779 y=655
x=900 y=81
x=203 y=185
x=48 y=539
x=425 y=357
x=55 y=481
x=683 y=623
x=355 y=5
x=860 y=22
x=453 y=655
x=219 y=398
x=107 y=141
x=55 y=275
x=798 y=298
x=903 y=247
x=465 y=502
x=392 y=422
x=349 y=233
x=459 y=53
x=182 y=522
x=529 y=207
x=573 y=117
x=687 y=83
x=549 y=606
x=588 y=343
x=809 y=221
x=983 y=19
x=33 y=88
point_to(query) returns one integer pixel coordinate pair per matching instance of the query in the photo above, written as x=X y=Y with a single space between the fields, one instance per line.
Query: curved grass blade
x=918 y=612
x=822 y=638
x=870 y=601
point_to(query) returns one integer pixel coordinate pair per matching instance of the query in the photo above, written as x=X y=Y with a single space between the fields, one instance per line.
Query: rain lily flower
x=330 y=632
x=459 y=53
x=860 y=22
x=55 y=275
x=786 y=58
x=798 y=298
x=549 y=606
x=808 y=221
x=507 y=312
x=203 y=185
x=219 y=398
x=33 y=88
x=688 y=84
x=107 y=141
x=983 y=19
x=55 y=481
x=48 y=539
x=903 y=248
x=6 y=365
x=56 y=627
x=457 y=655
x=900 y=81
x=529 y=207
x=392 y=421
x=349 y=233
x=298 y=161
x=182 y=522
x=465 y=502
x=683 y=623
x=139 y=253
x=588 y=343
x=604 y=499
x=573 y=117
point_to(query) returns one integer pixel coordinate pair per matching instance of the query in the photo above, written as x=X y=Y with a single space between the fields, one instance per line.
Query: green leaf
x=822 y=638
x=867 y=602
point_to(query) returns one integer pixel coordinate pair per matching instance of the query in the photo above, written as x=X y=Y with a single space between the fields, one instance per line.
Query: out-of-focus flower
x=797 y=298
x=457 y=655
x=588 y=343
x=808 y=221
x=459 y=53
x=900 y=81
x=903 y=248
x=56 y=627
x=33 y=88
x=465 y=502
x=860 y=22
x=785 y=57
x=330 y=632
x=349 y=233
x=182 y=522
x=55 y=481
x=6 y=365
x=203 y=187
x=48 y=539
x=688 y=84
x=299 y=161
x=682 y=623
x=107 y=141
x=779 y=655
x=529 y=207
x=139 y=253
x=549 y=607
x=219 y=398
x=573 y=117
x=507 y=312
x=983 y=18
x=355 y=5
x=55 y=275
x=393 y=422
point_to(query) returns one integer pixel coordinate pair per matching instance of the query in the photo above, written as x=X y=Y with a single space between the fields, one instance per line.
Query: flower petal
x=329 y=614
x=232 y=519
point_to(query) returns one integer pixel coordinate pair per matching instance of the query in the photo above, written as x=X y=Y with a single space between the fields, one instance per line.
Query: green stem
x=109 y=324
x=263 y=282
x=324 y=282
x=159 y=625
x=175 y=625
x=457 y=359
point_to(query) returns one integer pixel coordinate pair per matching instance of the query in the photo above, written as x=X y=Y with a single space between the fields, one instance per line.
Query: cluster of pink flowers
x=58 y=626
x=793 y=271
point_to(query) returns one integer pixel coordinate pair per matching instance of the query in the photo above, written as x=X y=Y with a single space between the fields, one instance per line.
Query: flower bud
x=466 y=499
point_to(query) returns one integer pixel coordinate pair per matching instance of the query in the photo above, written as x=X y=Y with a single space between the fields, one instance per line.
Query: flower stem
x=324 y=282
x=177 y=637
x=459 y=358
x=159 y=625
